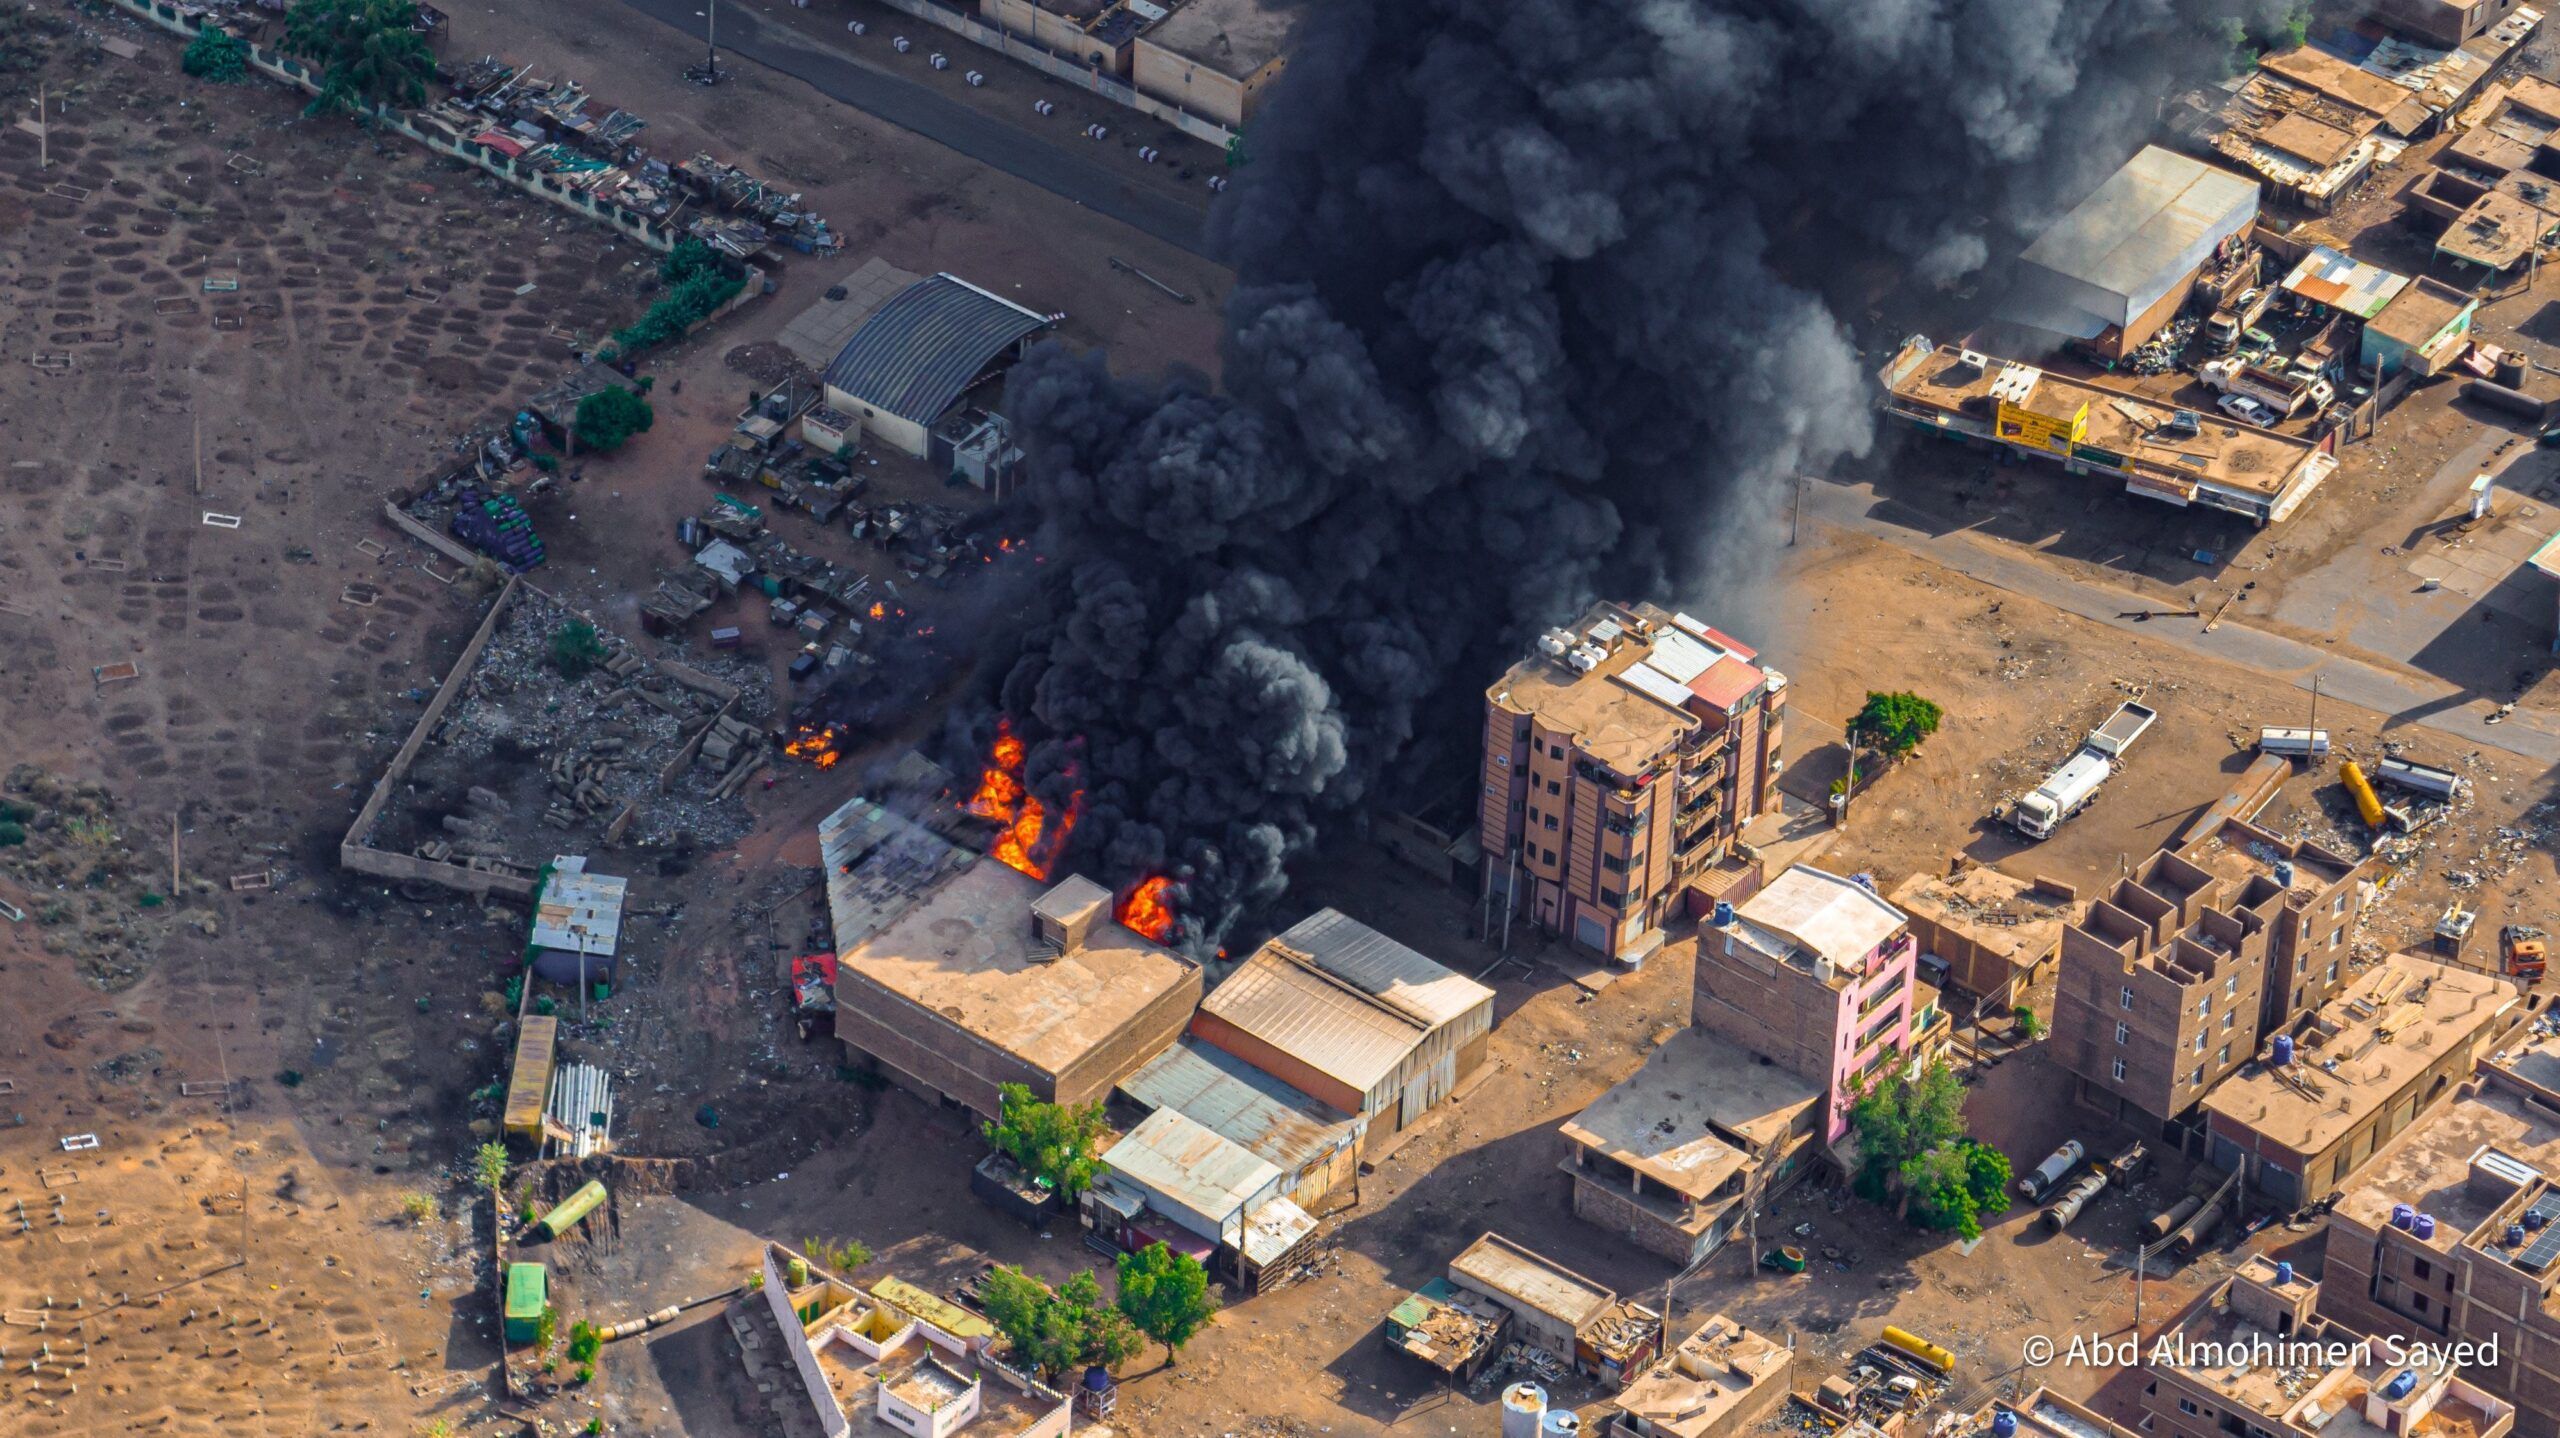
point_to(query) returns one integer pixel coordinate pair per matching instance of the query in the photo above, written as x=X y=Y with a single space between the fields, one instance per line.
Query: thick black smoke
x=1537 y=301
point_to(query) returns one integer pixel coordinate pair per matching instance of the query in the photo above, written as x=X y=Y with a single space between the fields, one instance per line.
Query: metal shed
x=1192 y=1176
x=914 y=357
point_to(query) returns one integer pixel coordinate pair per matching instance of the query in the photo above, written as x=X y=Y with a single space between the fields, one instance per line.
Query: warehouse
x=2121 y=264
x=912 y=361
x=1173 y=1181
x=988 y=979
x=1345 y=1014
x=1214 y=58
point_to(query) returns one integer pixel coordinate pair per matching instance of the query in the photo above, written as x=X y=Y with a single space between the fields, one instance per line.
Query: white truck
x=2284 y=391
x=2069 y=789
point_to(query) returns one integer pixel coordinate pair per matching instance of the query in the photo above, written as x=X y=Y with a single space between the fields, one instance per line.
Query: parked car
x=2247 y=410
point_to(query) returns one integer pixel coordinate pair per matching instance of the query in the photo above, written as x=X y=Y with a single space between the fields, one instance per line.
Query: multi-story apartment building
x=2451 y=1234
x=2252 y=1359
x=2174 y=975
x=1620 y=762
x=1814 y=973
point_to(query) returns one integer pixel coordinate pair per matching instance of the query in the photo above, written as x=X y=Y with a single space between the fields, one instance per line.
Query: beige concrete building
x=1675 y=1157
x=2363 y=1067
x=2042 y=1413
x=1620 y=762
x=990 y=979
x=1552 y=1307
x=2253 y=1358
x=1986 y=933
x=1214 y=58
x=1722 y=1379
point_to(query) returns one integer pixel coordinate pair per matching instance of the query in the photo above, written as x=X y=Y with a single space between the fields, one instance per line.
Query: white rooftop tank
x=1560 y=1423
x=1523 y=1404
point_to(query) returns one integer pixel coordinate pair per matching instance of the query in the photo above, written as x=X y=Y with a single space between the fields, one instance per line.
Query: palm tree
x=370 y=53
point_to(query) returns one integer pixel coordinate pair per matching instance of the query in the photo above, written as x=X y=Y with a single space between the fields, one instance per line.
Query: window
x=2420 y=1269
x=1550 y=821
x=2188 y=1407
x=2420 y=1300
x=2204 y=1007
x=2335 y=935
x=2338 y=905
x=2333 y=971
x=1613 y=863
x=2229 y=1019
x=2196 y=1079
x=1551 y=856
x=2199 y=1041
x=2124 y=998
x=2124 y=1033
x=2223 y=1059
x=2119 y=1071
x=1612 y=899
x=2231 y=987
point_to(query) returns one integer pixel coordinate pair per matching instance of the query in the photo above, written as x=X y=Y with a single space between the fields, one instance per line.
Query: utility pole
x=2311 y=738
x=44 y=131
x=1795 y=523
x=708 y=72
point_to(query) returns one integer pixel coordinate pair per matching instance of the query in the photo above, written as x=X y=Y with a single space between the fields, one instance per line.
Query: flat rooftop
x=2362 y=1049
x=2238 y=850
x=2232 y=456
x=2427 y=1165
x=2268 y=1378
x=1997 y=910
x=1811 y=913
x=1616 y=724
x=2417 y=313
x=1233 y=37
x=1669 y=1121
x=1713 y=1372
x=2497 y=231
x=1503 y=1268
x=966 y=952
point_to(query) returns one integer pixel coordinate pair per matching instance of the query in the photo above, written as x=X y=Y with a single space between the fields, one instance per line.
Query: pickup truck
x=2286 y=393
x=2069 y=788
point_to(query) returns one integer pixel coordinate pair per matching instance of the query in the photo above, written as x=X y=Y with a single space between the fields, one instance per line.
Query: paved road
x=2409 y=698
x=836 y=72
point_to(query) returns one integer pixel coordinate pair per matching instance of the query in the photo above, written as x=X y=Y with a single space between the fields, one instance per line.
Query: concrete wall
x=935 y=1059
x=1287 y=1068
x=1599 y=1203
x=1198 y=127
x=777 y=1298
x=356 y=856
x=903 y=435
x=277 y=66
x=1194 y=88
x=1090 y=1078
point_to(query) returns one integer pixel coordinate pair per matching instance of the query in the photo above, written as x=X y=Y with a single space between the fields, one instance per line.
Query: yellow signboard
x=2043 y=431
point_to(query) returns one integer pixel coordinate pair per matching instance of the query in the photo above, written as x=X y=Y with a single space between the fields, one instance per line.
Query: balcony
x=1693 y=780
x=1693 y=840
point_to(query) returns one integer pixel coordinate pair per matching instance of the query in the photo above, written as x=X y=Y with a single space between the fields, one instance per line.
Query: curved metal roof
x=918 y=351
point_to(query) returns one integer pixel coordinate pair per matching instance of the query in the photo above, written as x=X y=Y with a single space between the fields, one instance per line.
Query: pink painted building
x=1814 y=972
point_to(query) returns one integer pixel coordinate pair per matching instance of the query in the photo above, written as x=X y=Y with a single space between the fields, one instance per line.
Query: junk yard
x=972 y=718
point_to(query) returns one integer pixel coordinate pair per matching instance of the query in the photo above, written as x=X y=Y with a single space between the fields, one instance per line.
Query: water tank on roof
x=1098 y=1378
x=2284 y=1275
x=2515 y=1235
x=2534 y=1219
x=1724 y=914
x=2423 y=1226
x=2284 y=872
x=2402 y=1384
x=2402 y=1215
x=1523 y=1404
x=2004 y=1423
x=2284 y=1048
x=1560 y=1423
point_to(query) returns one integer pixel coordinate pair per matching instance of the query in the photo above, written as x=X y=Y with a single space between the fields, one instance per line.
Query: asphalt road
x=2408 y=698
x=919 y=108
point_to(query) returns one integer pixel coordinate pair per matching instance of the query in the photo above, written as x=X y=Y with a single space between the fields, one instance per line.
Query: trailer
x=2424 y=779
x=2294 y=743
x=2050 y=1172
x=2075 y=1198
x=2071 y=787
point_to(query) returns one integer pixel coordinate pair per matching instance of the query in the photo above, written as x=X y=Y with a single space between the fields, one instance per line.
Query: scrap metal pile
x=554 y=126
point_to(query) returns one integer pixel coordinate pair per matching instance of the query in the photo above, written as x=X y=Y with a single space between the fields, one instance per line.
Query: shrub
x=417 y=1207
x=545 y=1329
x=584 y=1342
x=575 y=649
x=840 y=1254
x=611 y=416
x=586 y=1374
x=697 y=285
x=12 y=833
x=216 y=55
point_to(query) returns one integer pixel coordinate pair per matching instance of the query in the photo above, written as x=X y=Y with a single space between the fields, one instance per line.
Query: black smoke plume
x=1536 y=301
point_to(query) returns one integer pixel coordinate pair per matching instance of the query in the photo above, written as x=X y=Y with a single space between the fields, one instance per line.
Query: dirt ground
x=349 y=1034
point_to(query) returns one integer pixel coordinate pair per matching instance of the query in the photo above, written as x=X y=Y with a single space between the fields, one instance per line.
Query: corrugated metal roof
x=879 y=864
x=1190 y=1167
x=1504 y=1267
x=1273 y=1230
x=579 y=912
x=2142 y=231
x=1334 y=1030
x=1217 y=1090
x=916 y=353
x=1395 y=975
x=2347 y=285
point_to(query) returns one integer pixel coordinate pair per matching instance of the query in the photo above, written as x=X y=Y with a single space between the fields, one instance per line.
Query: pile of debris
x=735 y=750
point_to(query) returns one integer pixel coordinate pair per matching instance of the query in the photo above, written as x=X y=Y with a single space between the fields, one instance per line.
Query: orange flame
x=1149 y=908
x=816 y=744
x=879 y=610
x=1028 y=843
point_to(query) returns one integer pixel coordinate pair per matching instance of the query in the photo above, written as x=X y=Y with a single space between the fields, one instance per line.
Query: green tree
x=216 y=55
x=575 y=648
x=610 y=416
x=1165 y=1295
x=370 y=53
x=1901 y=1118
x=2029 y=1025
x=1957 y=1186
x=841 y=1255
x=1052 y=1330
x=1051 y=1141
x=1898 y=722
x=698 y=283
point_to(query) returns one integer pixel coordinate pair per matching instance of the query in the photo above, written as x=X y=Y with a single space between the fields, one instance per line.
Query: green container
x=576 y=1206
x=528 y=1293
